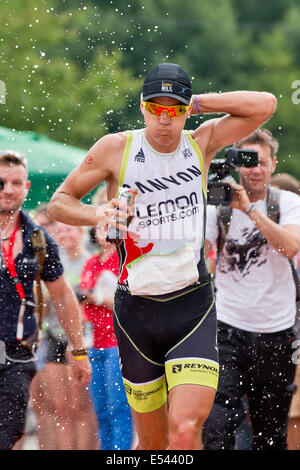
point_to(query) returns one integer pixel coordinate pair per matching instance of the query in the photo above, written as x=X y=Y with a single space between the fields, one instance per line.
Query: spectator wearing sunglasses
x=18 y=325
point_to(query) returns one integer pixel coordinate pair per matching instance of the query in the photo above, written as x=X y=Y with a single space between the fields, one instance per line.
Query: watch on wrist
x=250 y=208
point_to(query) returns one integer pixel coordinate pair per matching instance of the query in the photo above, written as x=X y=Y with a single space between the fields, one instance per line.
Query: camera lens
x=219 y=194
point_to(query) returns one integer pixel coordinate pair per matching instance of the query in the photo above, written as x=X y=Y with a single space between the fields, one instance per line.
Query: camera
x=219 y=192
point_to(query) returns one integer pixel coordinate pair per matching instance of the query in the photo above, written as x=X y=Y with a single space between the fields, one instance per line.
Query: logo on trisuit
x=177 y=368
x=140 y=156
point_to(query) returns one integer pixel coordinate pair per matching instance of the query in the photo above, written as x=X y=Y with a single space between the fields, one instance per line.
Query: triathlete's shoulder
x=204 y=130
x=117 y=139
x=110 y=144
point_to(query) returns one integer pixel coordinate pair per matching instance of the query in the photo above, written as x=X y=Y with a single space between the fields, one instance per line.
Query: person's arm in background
x=103 y=292
x=68 y=312
x=212 y=234
x=210 y=255
x=284 y=238
x=207 y=248
x=105 y=288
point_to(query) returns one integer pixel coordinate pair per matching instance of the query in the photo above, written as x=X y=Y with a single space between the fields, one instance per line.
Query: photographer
x=256 y=303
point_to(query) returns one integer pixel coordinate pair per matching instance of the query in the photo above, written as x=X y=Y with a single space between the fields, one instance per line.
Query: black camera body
x=219 y=192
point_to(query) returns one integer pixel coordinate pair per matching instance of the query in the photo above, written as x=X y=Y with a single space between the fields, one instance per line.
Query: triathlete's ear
x=141 y=104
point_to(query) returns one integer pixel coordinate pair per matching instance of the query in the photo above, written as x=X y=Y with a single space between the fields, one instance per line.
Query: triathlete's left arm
x=245 y=111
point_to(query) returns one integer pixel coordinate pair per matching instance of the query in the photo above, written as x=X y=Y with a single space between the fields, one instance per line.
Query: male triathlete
x=164 y=309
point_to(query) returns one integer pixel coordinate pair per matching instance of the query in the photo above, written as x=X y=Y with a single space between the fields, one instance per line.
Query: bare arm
x=207 y=247
x=284 y=238
x=67 y=310
x=108 y=301
x=245 y=112
x=68 y=313
x=101 y=164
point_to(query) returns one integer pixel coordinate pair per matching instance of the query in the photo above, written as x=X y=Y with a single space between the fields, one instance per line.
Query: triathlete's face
x=163 y=130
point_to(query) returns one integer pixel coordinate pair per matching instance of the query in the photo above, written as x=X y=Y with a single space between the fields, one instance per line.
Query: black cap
x=168 y=80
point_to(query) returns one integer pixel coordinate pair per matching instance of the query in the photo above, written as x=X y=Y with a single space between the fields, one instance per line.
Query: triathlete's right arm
x=101 y=164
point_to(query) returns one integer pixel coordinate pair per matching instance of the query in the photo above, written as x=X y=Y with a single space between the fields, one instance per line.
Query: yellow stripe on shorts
x=195 y=371
x=148 y=396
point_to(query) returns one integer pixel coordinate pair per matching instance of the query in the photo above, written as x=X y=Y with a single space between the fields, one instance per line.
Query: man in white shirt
x=256 y=306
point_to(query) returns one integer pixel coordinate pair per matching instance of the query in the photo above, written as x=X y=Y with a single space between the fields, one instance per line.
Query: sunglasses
x=172 y=111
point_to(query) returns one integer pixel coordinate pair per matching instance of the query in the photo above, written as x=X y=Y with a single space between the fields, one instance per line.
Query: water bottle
x=115 y=235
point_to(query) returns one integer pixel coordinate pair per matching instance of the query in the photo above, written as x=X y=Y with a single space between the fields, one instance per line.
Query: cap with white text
x=168 y=80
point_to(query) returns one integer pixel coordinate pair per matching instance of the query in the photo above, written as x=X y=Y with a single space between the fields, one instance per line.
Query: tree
x=74 y=69
x=275 y=69
x=51 y=93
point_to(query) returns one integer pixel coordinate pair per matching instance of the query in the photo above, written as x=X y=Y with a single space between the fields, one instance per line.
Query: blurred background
x=71 y=71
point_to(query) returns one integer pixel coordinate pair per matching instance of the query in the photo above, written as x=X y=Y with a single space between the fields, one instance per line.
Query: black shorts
x=164 y=344
x=56 y=349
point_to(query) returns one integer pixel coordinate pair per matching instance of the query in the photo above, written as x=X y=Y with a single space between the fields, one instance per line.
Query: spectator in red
x=98 y=283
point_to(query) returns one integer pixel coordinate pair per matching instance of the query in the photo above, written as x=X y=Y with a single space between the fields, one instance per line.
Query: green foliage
x=276 y=71
x=74 y=69
x=51 y=93
x=260 y=16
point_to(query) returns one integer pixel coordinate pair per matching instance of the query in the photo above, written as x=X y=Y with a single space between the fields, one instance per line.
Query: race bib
x=160 y=274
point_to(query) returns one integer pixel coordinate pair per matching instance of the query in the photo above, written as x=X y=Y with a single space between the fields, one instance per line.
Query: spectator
x=98 y=284
x=17 y=321
x=286 y=182
x=255 y=316
x=289 y=183
x=71 y=419
x=39 y=390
